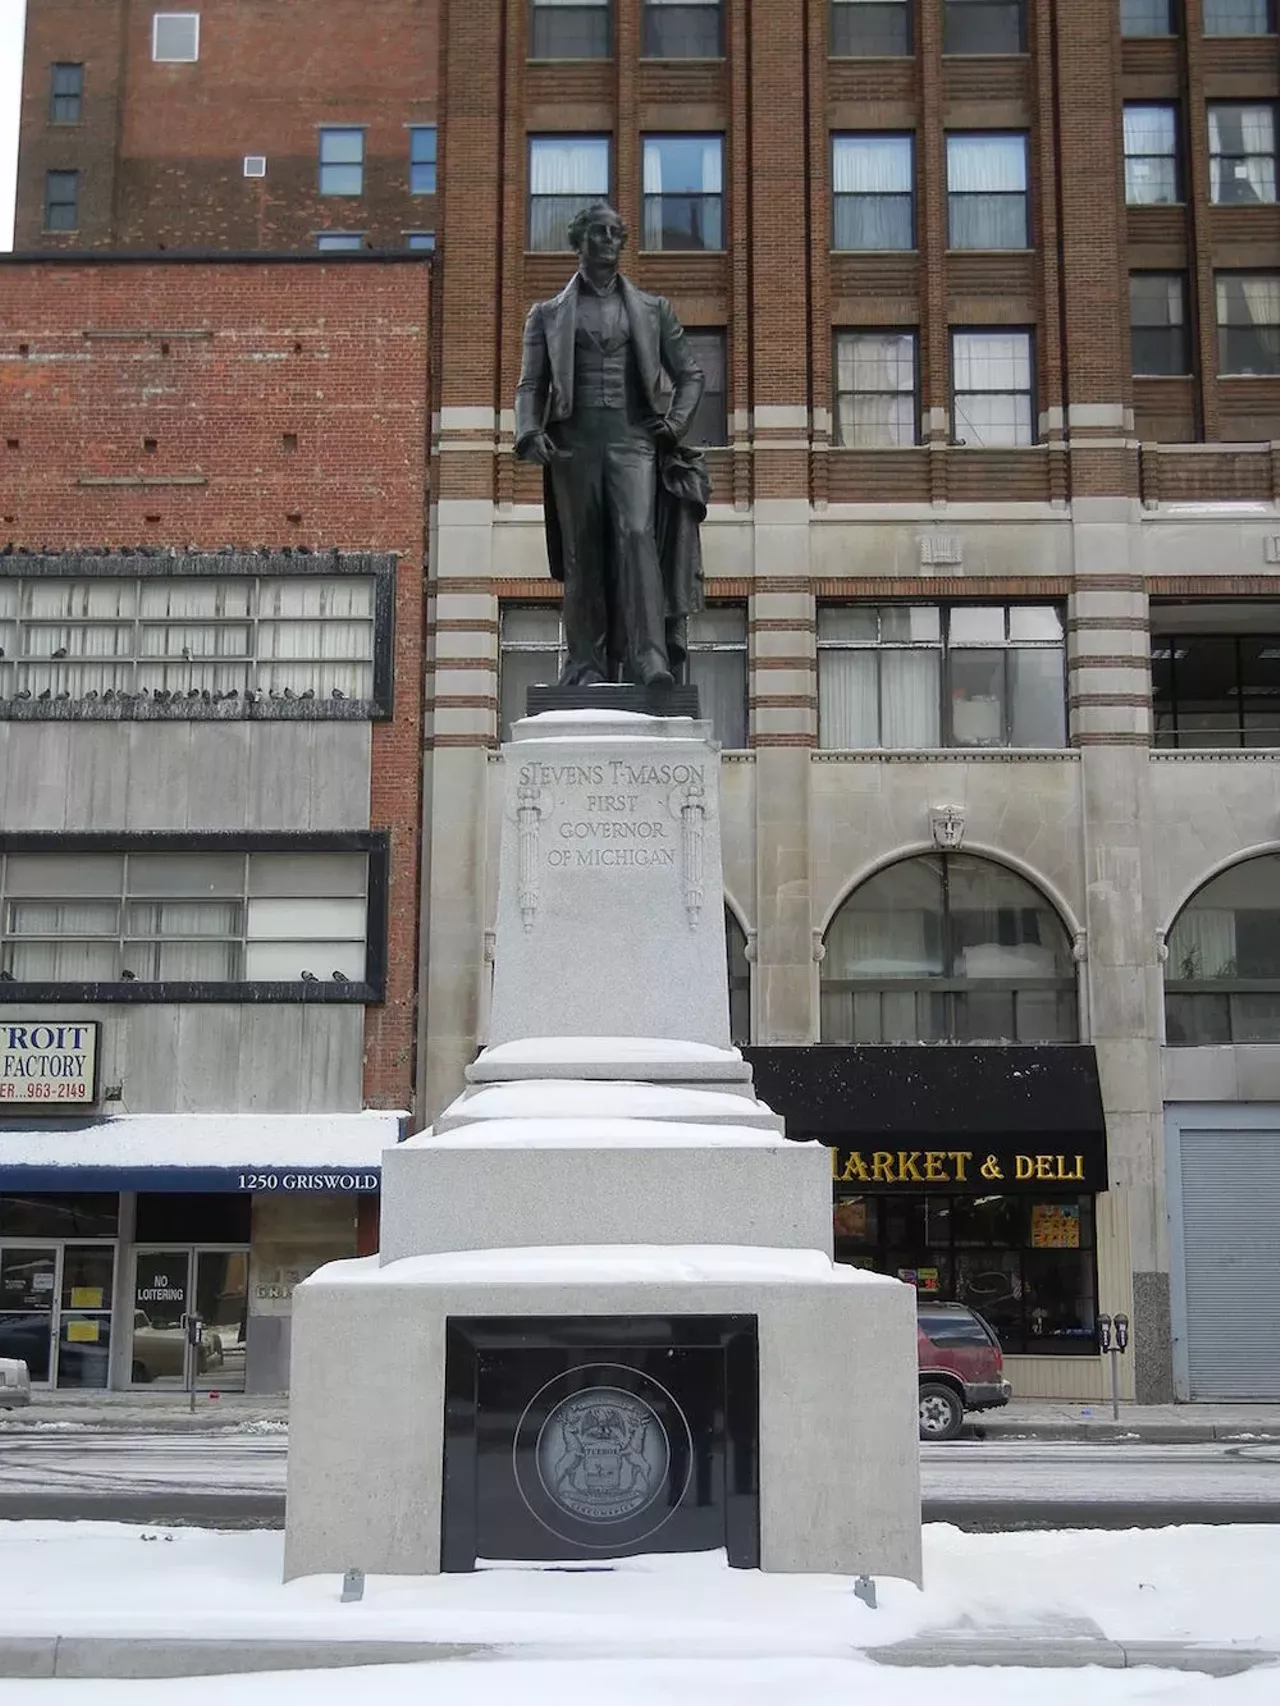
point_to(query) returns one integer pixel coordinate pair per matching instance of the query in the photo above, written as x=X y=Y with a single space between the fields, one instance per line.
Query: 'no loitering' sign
x=47 y=1063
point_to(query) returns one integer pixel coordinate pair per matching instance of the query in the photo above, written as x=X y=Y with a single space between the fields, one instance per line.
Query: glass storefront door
x=55 y=1310
x=171 y=1283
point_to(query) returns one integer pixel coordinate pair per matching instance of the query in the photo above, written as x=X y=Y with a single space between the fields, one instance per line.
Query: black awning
x=1013 y=1102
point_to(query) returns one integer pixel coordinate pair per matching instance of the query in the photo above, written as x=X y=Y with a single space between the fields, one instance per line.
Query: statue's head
x=598 y=234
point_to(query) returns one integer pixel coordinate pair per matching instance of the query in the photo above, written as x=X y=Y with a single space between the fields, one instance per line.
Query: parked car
x=15 y=1383
x=961 y=1367
x=159 y=1353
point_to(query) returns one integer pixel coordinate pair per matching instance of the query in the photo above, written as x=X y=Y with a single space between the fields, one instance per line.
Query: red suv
x=961 y=1367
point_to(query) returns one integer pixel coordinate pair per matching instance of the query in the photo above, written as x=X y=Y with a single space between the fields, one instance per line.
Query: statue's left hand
x=663 y=431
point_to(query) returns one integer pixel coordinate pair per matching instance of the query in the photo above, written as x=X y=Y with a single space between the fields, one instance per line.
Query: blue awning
x=284 y=1154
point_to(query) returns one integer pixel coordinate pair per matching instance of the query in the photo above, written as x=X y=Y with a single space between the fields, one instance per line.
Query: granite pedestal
x=606 y=1193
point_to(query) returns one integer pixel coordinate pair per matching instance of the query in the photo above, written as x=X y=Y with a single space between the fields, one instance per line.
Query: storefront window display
x=1026 y=1263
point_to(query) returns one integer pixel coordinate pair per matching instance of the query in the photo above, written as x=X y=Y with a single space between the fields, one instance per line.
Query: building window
x=175 y=38
x=1026 y=1264
x=911 y=677
x=710 y=423
x=682 y=29
x=735 y=942
x=565 y=173
x=870 y=29
x=1248 y=322
x=61 y=201
x=420 y=240
x=155 y=641
x=872 y=192
x=991 y=388
x=422 y=159
x=717 y=640
x=66 y=89
x=342 y=161
x=1242 y=152
x=876 y=405
x=1239 y=17
x=569 y=29
x=982 y=26
x=683 y=192
x=1158 y=332
x=531 y=654
x=163 y=915
x=1146 y=17
x=1222 y=971
x=339 y=242
x=1215 y=675
x=987 y=191
x=1150 y=156
x=947 y=948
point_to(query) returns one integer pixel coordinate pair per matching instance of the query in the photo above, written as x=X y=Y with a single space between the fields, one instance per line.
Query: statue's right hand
x=540 y=449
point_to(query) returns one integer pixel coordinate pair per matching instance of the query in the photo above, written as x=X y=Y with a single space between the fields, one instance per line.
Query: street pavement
x=236 y=1479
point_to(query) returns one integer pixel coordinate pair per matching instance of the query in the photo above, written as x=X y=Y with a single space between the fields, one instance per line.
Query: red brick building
x=212 y=620
x=204 y=130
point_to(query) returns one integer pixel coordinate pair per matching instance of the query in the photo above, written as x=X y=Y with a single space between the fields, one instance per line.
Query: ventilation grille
x=255 y=165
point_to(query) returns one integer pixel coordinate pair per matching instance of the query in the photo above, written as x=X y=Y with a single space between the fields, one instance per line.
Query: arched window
x=735 y=938
x=1222 y=975
x=946 y=948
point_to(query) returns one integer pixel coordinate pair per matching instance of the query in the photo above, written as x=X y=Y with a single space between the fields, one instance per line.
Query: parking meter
x=1122 y=1332
x=1104 y=1332
x=195 y=1329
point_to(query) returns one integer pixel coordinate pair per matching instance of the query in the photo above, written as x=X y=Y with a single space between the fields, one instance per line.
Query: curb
x=98 y=1657
x=1117 y=1433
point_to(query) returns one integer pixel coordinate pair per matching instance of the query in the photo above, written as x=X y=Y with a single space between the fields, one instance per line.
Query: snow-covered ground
x=755 y=1682
x=1214 y=1585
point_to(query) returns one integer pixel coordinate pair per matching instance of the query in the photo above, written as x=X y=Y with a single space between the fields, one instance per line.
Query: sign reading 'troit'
x=50 y=1063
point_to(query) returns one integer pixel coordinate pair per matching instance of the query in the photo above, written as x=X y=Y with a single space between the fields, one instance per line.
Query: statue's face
x=603 y=240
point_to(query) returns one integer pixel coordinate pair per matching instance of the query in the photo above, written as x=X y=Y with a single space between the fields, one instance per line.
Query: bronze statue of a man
x=592 y=408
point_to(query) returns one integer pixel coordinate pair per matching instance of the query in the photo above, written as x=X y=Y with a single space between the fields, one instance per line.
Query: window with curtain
x=569 y=29
x=531 y=653
x=983 y=26
x=1215 y=675
x=991 y=388
x=876 y=402
x=710 y=423
x=1248 y=322
x=163 y=640
x=422 y=159
x=682 y=29
x=1239 y=17
x=870 y=29
x=872 y=192
x=1158 y=333
x=61 y=201
x=198 y=917
x=683 y=192
x=66 y=89
x=565 y=173
x=1242 y=152
x=987 y=191
x=175 y=38
x=1151 y=175
x=1222 y=968
x=342 y=161
x=910 y=677
x=717 y=641
x=947 y=948
x=1146 y=18
x=735 y=941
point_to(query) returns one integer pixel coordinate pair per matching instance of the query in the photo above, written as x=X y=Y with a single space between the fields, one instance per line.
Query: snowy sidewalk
x=106 y=1599
x=1042 y=1419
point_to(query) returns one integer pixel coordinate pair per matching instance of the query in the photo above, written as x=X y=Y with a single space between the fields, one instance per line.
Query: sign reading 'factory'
x=54 y=1063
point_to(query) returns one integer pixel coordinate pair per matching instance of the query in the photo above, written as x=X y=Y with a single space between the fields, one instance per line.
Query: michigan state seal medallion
x=603 y=1454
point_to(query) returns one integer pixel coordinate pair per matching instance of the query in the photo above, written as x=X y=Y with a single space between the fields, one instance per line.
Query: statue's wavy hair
x=583 y=218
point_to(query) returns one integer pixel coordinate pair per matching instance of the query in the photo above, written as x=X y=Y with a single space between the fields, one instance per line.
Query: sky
x=12 y=16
